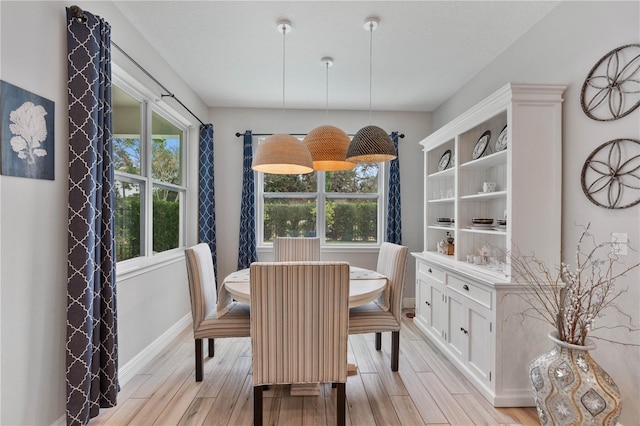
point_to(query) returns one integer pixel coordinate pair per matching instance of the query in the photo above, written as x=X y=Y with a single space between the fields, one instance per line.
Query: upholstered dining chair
x=299 y=327
x=371 y=318
x=288 y=249
x=202 y=289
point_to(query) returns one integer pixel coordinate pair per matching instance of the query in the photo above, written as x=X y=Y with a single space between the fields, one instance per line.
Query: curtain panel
x=91 y=349
x=247 y=252
x=394 y=216
x=206 y=194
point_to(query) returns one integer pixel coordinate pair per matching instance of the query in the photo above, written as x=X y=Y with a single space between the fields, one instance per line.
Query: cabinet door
x=438 y=319
x=480 y=341
x=423 y=305
x=457 y=331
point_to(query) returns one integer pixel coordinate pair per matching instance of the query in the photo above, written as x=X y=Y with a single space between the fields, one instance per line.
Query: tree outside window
x=345 y=204
x=161 y=182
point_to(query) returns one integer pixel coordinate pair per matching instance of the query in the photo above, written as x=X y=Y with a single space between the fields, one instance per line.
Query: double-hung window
x=343 y=208
x=150 y=188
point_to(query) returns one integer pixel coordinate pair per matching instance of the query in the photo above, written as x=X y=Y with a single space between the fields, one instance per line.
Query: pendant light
x=328 y=144
x=371 y=144
x=281 y=153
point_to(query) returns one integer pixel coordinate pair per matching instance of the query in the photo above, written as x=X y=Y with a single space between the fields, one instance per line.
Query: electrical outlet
x=619 y=240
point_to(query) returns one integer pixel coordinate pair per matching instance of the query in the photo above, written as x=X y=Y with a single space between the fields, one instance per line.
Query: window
x=150 y=190
x=342 y=208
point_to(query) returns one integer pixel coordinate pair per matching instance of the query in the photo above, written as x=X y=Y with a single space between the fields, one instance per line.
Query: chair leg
x=198 y=360
x=395 y=350
x=341 y=397
x=211 y=348
x=257 y=405
x=378 y=341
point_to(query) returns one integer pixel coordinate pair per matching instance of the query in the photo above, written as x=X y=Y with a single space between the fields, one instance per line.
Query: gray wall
x=34 y=212
x=561 y=49
x=33 y=220
x=33 y=223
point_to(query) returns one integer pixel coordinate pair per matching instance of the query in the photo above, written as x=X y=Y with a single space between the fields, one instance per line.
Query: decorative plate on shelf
x=481 y=145
x=444 y=160
x=501 y=142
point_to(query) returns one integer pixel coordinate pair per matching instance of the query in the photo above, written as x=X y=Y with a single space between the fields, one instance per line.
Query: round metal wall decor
x=612 y=87
x=611 y=174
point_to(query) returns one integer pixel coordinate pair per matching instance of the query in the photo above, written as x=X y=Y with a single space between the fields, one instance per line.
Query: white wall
x=228 y=169
x=33 y=243
x=561 y=49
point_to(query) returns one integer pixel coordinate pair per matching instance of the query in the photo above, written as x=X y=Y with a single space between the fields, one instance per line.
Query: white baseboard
x=131 y=368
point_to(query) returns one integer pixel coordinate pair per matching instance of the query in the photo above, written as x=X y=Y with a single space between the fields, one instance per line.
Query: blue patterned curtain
x=247 y=246
x=394 y=217
x=92 y=349
x=206 y=194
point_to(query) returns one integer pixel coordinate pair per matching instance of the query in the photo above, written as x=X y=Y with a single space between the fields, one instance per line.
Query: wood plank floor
x=427 y=390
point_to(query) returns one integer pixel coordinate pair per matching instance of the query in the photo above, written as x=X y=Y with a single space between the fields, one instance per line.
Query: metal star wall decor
x=612 y=87
x=611 y=174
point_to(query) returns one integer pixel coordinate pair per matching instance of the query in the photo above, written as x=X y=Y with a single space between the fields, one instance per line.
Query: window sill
x=131 y=268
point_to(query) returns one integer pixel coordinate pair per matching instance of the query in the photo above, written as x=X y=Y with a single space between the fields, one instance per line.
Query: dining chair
x=288 y=249
x=203 y=293
x=299 y=327
x=371 y=318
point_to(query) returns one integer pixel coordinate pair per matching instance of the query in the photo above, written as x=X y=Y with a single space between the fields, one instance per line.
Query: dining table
x=365 y=286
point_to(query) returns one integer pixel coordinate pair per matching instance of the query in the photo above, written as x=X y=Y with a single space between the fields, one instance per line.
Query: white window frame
x=150 y=104
x=320 y=196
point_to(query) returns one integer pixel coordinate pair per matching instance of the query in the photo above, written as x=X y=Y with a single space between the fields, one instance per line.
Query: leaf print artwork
x=27 y=132
x=28 y=125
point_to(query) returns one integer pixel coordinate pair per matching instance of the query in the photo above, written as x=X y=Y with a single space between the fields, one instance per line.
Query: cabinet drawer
x=470 y=290
x=431 y=271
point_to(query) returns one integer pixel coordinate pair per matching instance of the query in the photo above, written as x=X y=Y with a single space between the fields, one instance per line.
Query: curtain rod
x=238 y=134
x=78 y=13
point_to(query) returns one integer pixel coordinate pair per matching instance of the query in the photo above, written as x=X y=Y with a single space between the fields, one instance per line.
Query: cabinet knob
x=465 y=287
x=428 y=304
x=429 y=270
x=463 y=330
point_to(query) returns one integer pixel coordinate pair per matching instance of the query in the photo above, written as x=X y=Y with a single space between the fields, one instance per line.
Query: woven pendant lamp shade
x=282 y=154
x=328 y=147
x=371 y=145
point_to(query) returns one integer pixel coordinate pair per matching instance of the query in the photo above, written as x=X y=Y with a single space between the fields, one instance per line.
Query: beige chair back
x=392 y=262
x=202 y=282
x=288 y=249
x=299 y=322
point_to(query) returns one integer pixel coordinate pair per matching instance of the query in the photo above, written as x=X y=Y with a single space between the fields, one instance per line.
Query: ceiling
x=231 y=53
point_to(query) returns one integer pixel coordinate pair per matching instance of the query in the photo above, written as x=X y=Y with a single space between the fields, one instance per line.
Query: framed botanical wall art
x=26 y=133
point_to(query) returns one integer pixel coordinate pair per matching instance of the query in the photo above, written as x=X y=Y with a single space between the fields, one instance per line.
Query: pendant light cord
x=284 y=53
x=326 y=64
x=370 y=68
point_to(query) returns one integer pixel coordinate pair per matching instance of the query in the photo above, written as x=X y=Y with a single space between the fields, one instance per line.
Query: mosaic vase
x=570 y=388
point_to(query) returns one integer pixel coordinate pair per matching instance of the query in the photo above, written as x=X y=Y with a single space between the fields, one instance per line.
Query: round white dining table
x=364 y=286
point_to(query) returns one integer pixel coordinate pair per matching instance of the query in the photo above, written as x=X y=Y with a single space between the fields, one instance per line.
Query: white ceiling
x=231 y=53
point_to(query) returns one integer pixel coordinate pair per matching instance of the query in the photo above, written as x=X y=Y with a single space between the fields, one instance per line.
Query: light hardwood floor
x=427 y=389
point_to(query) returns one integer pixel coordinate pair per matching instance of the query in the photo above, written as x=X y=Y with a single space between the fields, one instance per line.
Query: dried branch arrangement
x=572 y=299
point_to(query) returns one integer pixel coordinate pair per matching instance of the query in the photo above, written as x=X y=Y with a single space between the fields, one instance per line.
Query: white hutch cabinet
x=470 y=310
